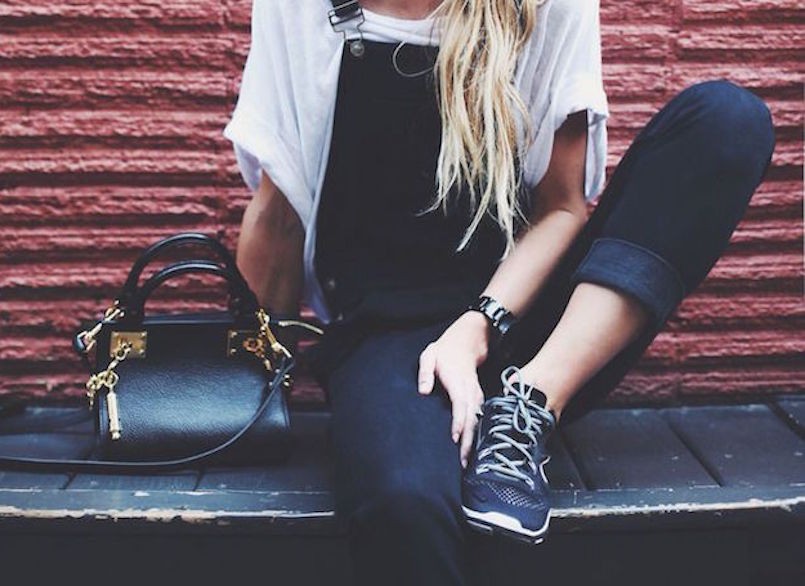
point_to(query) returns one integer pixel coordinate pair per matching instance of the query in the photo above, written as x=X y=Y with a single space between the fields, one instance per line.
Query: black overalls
x=664 y=218
x=379 y=263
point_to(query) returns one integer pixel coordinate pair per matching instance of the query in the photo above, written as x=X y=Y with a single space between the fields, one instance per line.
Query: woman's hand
x=455 y=358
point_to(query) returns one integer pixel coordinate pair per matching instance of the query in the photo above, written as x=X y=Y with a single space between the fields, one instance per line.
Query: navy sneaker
x=504 y=489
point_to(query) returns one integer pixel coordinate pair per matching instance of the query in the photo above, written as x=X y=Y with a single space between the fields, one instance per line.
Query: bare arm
x=270 y=246
x=558 y=216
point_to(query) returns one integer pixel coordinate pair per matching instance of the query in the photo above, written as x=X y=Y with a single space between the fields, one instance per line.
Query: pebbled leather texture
x=187 y=395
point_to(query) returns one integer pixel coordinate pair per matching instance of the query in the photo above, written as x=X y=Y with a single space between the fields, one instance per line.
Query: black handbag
x=171 y=390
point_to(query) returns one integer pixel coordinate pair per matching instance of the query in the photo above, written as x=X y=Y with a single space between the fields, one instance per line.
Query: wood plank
x=286 y=512
x=53 y=445
x=57 y=428
x=32 y=480
x=169 y=481
x=561 y=470
x=794 y=410
x=309 y=468
x=42 y=419
x=631 y=448
x=742 y=445
x=653 y=509
x=46 y=445
x=242 y=512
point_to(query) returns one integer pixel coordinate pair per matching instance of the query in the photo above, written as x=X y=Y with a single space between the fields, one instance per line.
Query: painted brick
x=110 y=138
x=751 y=11
x=131 y=88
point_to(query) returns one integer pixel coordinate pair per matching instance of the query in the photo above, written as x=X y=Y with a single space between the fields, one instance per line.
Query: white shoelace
x=520 y=413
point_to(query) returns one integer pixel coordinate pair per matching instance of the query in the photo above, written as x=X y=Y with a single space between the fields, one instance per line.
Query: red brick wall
x=110 y=136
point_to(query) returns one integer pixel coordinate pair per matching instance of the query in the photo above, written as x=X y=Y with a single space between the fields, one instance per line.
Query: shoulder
x=563 y=26
x=290 y=24
x=568 y=14
x=297 y=10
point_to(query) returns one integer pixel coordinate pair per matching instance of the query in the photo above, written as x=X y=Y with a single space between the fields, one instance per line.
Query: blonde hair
x=474 y=71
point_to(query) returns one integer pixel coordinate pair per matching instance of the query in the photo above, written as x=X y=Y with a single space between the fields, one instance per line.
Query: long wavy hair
x=479 y=104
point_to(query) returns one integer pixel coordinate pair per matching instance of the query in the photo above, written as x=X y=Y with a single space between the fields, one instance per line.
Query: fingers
x=468 y=435
x=464 y=390
x=459 y=417
x=427 y=366
x=471 y=421
x=466 y=396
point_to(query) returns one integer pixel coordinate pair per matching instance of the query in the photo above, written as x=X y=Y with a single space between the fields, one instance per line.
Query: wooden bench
x=707 y=494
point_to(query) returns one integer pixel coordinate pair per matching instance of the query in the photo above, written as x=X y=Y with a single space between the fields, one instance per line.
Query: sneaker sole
x=494 y=523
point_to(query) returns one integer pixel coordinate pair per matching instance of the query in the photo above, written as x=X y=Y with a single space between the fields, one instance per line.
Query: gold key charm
x=114 y=418
x=108 y=378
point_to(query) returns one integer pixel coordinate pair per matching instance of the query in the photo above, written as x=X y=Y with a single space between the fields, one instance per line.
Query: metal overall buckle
x=347 y=18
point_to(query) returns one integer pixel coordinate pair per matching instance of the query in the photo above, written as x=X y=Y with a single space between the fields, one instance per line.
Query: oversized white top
x=284 y=115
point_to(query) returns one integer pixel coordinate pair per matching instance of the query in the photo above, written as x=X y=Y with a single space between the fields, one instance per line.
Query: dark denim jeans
x=663 y=220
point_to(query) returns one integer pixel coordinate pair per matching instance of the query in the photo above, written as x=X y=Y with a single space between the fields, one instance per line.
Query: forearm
x=270 y=248
x=521 y=275
x=558 y=215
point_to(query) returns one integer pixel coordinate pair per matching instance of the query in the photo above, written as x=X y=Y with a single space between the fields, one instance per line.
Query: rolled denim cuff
x=635 y=270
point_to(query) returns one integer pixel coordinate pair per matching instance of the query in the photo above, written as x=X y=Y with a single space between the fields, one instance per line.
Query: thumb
x=427 y=365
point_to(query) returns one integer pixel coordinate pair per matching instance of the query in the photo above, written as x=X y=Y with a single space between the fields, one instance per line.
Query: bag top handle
x=242 y=298
x=158 y=248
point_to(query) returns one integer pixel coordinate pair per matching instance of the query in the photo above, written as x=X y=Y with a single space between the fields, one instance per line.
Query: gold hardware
x=248 y=340
x=114 y=418
x=87 y=337
x=138 y=341
x=265 y=330
x=257 y=343
x=108 y=378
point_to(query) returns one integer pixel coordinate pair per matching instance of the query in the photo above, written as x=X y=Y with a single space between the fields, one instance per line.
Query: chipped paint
x=786 y=504
x=225 y=517
x=157 y=514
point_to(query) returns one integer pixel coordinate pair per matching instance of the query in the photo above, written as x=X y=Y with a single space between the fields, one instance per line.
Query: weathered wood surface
x=616 y=469
x=743 y=445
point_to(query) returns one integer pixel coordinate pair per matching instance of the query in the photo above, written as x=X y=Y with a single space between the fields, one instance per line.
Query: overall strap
x=346 y=17
x=344 y=8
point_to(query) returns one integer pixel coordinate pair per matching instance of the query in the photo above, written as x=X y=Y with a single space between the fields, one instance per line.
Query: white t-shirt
x=284 y=115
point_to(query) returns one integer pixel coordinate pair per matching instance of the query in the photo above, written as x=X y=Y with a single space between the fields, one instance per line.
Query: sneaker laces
x=517 y=414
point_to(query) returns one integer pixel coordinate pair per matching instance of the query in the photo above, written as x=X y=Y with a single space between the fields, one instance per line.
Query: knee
x=738 y=121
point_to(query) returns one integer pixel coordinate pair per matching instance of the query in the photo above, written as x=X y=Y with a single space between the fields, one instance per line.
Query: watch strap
x=500 y=318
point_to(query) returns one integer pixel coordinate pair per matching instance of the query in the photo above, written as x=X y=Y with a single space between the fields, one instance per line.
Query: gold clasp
x=260 y=342
x=250 y=341
x=137 y=340
x=88 y=337
x=265 y=330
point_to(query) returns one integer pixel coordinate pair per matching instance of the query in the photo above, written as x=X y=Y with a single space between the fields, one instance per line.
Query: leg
x=599 y=319
x=664 y=219
x=397 y=470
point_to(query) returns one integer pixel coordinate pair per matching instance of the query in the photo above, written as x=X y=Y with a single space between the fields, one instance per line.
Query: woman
x=420 y=172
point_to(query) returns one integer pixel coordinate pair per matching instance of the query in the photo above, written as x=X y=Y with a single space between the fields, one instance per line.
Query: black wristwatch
x=500 y=318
